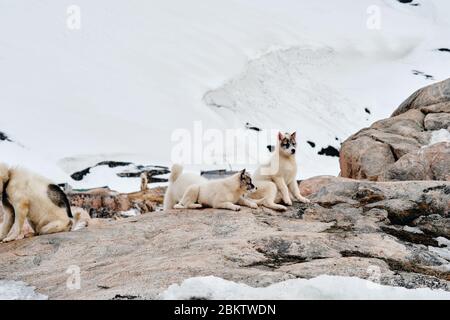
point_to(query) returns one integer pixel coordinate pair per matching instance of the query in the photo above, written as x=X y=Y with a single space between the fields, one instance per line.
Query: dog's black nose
x=293 y=151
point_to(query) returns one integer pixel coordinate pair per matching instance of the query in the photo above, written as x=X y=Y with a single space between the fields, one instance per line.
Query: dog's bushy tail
x=175 y=172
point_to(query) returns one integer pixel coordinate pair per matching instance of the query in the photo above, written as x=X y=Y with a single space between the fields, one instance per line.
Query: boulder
x=106 y=203
x=436 y=121
x=429 y=163
x=434 y=94
x=314 y=184
x=351 y=228
x=364 y=158
x=404 y=146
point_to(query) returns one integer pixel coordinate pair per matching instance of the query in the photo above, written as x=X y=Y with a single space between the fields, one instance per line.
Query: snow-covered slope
x=136 y=71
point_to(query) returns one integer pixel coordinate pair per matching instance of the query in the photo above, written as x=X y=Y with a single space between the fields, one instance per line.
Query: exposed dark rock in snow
x=271 y=148
x=410 y=2
x=420 y=73
x=250 y=127
x=79 y=175
x=329 y=151
x=217 y=174
x=443 y=49
x=4 y=137
x=367 y=110
x=312 y=144
x=151 y=171
x=133 y=171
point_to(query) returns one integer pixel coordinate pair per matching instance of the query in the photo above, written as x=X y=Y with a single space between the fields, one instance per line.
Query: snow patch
x=412 y=229
x=18 y=290
x=130 y=213
x=320 y=288
x=442 y=135
x=442 y=252
x=443 y=241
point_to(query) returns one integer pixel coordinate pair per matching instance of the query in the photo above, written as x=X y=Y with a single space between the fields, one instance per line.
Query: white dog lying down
x=28 y=196
x=192 y=191
x=178 y=184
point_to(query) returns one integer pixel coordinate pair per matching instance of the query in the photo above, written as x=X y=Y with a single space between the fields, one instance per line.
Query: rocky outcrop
x=388 y=232
x=404 y=146
x=105 y=203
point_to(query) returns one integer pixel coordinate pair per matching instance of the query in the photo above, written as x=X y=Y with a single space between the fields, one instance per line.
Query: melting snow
x=320 y=288
x=18 y=290
x=442 y=135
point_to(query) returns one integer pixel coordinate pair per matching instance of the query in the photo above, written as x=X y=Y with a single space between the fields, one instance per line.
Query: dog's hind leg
x=21 y=212
x=271 y=195
x=188 y=206
x=293 y=187
x=8 y=220
x=248 y=203
x=273 y=205
x=190 y=197
x=282 y=187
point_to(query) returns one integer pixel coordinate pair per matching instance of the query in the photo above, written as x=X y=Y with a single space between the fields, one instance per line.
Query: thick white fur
x=276 y=180
x=179 y=182
x=224 y=193
x=27 y=194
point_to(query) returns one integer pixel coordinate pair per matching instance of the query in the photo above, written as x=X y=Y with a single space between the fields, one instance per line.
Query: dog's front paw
x=178 y=206
x=253 y=205
x=304 y=200
x=8 y=239
x=288 y=202
x=236 y=208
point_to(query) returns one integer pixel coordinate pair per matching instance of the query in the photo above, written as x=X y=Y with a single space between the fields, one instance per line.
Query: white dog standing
x=278 y=178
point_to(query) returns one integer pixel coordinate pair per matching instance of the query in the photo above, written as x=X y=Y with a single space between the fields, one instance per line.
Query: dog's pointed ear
x=294 y=135
x=242 y=172
x=280 y=136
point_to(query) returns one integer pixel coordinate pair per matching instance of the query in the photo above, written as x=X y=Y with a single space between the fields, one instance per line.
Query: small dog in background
x=277 y=180
x=191 y=191
x=27 y=196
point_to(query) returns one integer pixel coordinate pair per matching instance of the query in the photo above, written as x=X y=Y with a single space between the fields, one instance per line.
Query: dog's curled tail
x=175 y=172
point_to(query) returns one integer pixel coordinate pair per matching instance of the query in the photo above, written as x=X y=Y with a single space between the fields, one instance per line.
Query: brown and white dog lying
x=192 y=191
x=27 y=196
